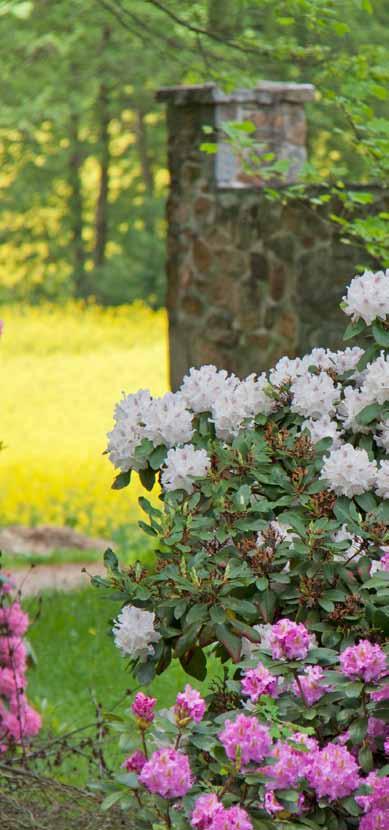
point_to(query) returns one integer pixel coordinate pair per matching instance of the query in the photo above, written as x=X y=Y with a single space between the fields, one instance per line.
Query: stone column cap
x=265 y=92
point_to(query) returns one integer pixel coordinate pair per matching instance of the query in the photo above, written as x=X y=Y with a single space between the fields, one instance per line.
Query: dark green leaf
x=121 y=480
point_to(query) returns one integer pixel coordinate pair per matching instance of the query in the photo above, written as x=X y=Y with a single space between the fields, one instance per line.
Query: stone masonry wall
x=248 y=279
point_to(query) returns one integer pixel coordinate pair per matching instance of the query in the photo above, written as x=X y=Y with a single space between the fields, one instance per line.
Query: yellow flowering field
x=62 y=369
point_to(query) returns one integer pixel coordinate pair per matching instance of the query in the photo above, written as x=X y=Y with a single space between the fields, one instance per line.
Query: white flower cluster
x=163 y=420
x=349 y=471
x=134 y=632
x=325 y=390
x=367 y=297
x=182 y=466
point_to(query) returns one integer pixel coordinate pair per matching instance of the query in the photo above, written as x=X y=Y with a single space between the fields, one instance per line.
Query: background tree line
x=82 y=142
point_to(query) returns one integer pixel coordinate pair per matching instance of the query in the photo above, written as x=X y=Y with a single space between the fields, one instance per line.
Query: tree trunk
x=101 y=216
x=75 y=208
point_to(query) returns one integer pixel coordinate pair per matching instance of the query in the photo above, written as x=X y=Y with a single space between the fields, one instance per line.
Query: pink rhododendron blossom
x=289 y=640
x=13 y=620
x=290 y=764
x=245 y=738
x=205 y=810
x=332 y=772
x=143 y=707
x=377 y=728
x=311 y=685
x=365 y=660
x=167 y=773
x=135 y=762
x=13 y=653
x=19 y=722
x=381 y=694
x=11 y=683
x=272 y=806
x=235 y=818
x=375 y=804
x=259 y=681
x=190 y=705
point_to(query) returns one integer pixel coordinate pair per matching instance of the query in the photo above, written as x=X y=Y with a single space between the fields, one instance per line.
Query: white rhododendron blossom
x=367 y=297
x=134 y=632
x=201 y=387
x=354 y=401
x=169 y=422
x=130 y=415
x=313 y=395
x=323 y=427
x=251 y=395
x=236 y=405
x=348 y=471
x=286 y=370
x=382 y=480
x=376 y=382
x=347 y=360
x=182 y=466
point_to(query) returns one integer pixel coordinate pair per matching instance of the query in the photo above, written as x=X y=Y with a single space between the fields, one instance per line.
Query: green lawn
x=79 y=665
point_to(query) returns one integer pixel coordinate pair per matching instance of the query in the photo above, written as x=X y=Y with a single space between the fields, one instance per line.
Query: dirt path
x=65 y=577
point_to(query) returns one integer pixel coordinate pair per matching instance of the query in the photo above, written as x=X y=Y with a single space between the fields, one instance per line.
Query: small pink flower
x=14 y=620
x=382 y=694
x=135 y=762
x=167 y=773
x=332 y=772
x=289 y=640
x=311 y=685
x=11 y=683
x=143 y=707
x=246 y=739
x=235 y=818
x=205 y=810
x=21 y=721
x=364 y=660
x=189 y=705
x=271 y=804
x=13 y=653
x=259 y=681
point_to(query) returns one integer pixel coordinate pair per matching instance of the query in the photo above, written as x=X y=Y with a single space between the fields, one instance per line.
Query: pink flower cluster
x=167 y=773
x=189 y=706
x=376 y=804
x=245 y=740
x=365 y=660
x=135 y=762
x=333 y=772
x=291 y=763
x=18 y=720
x=289 y=640
x=143 y=707
x=259 y=681
x=310 y=685
x=209 y=814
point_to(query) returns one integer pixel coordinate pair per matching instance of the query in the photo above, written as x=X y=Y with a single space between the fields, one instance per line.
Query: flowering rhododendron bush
x=272 y=548
x=19 y=722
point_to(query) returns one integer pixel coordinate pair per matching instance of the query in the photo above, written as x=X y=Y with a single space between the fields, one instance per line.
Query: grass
x=62 y=371
x=78 y=666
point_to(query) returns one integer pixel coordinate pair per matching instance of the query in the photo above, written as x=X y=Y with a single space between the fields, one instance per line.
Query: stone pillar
x=249 y=279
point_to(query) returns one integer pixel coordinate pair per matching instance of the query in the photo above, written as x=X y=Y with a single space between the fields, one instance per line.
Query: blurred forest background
x=83 y=184
x=83 y=176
